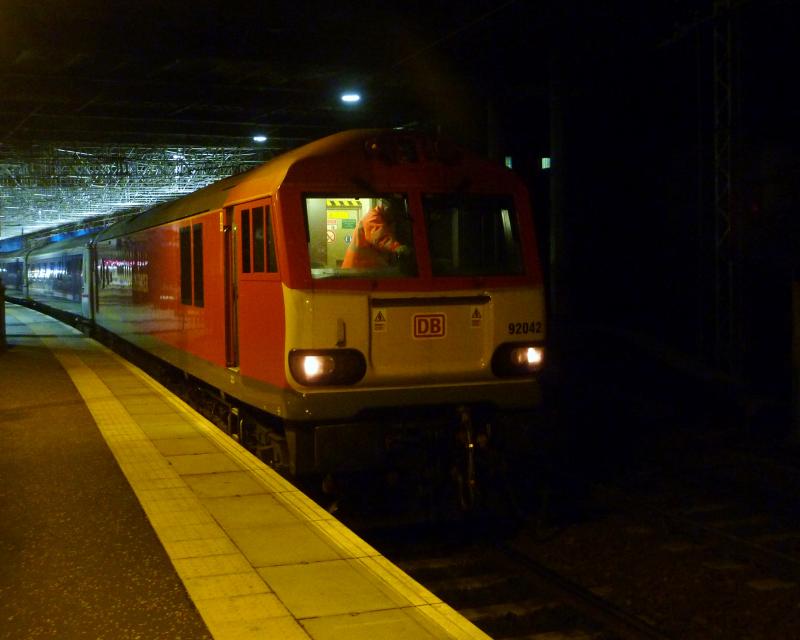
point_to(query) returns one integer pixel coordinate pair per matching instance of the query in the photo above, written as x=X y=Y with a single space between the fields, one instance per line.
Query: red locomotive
x=252 y=285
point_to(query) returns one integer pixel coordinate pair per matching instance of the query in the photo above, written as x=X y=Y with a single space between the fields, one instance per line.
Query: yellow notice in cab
x=378 y=320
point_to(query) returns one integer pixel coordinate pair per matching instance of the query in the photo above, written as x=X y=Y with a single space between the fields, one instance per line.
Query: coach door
x=231 y=290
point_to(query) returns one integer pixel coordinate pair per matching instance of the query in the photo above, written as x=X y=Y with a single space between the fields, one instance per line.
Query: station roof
x=109 y=107
x=119 y=106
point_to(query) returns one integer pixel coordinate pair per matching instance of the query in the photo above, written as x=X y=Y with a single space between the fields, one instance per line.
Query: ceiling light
x=260 y=138
x=351 y=98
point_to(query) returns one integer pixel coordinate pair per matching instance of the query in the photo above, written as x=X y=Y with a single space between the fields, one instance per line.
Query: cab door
x=259 y=300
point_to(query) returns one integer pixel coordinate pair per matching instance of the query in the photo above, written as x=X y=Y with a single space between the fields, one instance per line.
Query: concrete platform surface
x=210 y=542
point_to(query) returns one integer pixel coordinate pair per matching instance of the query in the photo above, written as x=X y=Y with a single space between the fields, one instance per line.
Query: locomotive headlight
x=517 y=359
x=316 y=366
x=319 y=367
x=531 y=356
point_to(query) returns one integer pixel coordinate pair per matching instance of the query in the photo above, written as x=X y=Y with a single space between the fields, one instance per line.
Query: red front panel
x=261 y=330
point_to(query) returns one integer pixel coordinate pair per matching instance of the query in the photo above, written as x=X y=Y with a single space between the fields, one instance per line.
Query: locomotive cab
x=418 y=298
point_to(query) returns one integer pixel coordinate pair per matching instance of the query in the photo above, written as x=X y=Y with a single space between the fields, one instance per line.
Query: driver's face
x=389 y=212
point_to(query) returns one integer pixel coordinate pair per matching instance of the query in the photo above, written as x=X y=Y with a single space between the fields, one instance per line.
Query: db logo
x=429 y=325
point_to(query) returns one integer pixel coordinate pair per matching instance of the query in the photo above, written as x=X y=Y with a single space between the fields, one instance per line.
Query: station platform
x=125 y=514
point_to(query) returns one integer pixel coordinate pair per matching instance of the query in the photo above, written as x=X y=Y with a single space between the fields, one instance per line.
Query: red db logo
x=429 y=325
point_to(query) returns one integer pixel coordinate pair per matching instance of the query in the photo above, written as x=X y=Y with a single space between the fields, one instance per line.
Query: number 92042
x=524 y=328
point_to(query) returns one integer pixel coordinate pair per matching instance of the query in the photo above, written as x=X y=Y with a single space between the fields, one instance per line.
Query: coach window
x=258 y=241
x=191 y=248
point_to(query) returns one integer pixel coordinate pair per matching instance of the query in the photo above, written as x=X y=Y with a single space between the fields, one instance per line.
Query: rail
x=621 y=623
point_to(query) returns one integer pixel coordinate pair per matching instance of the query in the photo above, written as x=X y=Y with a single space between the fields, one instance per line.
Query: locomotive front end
x=422 y=316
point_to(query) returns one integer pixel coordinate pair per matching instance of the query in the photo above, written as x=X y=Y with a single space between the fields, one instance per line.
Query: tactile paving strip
x=235 y=598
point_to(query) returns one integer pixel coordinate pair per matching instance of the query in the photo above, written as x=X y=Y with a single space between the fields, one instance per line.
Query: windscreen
x=360 y=236
x=472 y=235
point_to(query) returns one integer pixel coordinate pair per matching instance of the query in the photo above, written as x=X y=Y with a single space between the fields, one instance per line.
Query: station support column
x=2 y=315
x=796 y=358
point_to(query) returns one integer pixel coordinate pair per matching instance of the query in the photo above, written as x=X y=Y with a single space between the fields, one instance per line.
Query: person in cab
x=375 y=242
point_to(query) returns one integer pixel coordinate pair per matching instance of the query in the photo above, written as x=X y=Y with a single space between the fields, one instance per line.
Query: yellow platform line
x=232 y=598
x=352 y=546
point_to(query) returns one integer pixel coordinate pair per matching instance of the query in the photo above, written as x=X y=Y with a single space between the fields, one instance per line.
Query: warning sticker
x=475 y=318
x=378 y=320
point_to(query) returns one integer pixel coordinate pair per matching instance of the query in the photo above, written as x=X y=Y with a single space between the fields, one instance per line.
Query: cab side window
x=258 y=241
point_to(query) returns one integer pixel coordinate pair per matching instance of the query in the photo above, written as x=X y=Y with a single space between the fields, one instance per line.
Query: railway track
x=691 y=556
x=491 y=580
x=742 y=503
x=666 y=576
x=707 y=547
